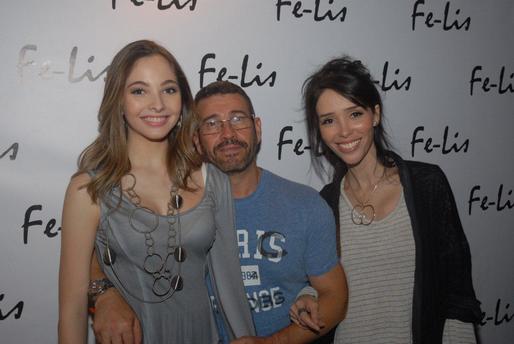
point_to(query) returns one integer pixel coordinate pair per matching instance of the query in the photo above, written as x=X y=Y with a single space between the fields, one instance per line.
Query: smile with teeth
x=350 y=145
x=155 y=119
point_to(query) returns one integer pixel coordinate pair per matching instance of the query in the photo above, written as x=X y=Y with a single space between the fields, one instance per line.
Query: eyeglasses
x=237 y=121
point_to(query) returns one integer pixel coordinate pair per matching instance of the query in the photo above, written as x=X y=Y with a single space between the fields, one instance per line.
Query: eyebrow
x=231 y=113
x=213 y=116
x=350 y=108
x=139 y=82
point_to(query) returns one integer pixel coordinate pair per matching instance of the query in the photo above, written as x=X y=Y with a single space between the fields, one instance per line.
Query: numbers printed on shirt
x=250 y=275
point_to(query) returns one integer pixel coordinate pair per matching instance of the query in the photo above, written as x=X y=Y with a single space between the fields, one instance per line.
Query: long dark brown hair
x=352 y=80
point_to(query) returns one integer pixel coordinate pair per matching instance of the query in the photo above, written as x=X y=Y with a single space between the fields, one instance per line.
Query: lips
x=347 y=147
x=230 y=146
x=155 y=121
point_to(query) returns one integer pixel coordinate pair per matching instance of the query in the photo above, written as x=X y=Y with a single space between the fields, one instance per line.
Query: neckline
x=205 y=176
x=256 y=193
x=391 y=213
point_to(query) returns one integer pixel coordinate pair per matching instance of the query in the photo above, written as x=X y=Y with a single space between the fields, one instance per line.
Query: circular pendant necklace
x=363 y=213
x=159 y=268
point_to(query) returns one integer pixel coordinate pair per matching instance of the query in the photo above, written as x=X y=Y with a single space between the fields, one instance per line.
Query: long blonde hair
x=107 y=156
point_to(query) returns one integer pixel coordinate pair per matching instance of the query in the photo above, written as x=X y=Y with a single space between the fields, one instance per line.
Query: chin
x=157 y=138
x=351 y=159
x=231 y=167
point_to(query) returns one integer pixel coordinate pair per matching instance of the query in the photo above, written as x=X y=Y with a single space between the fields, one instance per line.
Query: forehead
x=222 y=105
x=330 y=100
x=153 y=66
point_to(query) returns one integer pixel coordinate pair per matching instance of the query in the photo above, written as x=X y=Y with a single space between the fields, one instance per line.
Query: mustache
x=231 y=141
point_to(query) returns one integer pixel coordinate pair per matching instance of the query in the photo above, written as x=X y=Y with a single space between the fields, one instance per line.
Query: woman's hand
x=305 y=313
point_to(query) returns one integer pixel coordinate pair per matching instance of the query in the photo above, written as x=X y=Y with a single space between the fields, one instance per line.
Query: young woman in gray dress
x=158 y=218
x=400 y=239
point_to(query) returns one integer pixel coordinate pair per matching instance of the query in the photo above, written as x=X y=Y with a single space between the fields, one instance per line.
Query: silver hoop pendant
x=153 y=263
x=363 y=215
x=134 y=197
x=140 y=226
x=161 y=286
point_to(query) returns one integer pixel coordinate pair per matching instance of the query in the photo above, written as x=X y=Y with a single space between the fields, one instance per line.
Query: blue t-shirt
x=285 y=232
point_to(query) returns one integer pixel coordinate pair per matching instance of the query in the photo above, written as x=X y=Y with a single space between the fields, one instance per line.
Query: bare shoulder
x=79 y=181
x=77 y=198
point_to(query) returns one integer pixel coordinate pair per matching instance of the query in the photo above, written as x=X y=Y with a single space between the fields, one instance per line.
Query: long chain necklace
x=363 y=213
x=154 y=264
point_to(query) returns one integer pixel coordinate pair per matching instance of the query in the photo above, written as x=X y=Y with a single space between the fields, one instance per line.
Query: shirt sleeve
x=458 y=332
x=308 y=290
x=320 y=250
x=460 y=301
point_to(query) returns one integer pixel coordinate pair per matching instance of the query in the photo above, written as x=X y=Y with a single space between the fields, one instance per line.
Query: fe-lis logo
x=13 y=150
x=500 y=202
x=501 y=315
x=47 y=70
x=16 y=310
x=297 y=146
x=396 y=85
x=487 y=84
x=245 y=77
x=162 y=4
x=29 y=222
x=432 y=19
x=447 y=145
x=323 y=10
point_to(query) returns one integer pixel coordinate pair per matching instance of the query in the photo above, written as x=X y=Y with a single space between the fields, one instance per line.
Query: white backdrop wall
x=446 y=69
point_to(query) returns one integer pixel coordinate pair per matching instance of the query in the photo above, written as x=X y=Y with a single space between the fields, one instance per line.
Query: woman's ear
x=376 y=115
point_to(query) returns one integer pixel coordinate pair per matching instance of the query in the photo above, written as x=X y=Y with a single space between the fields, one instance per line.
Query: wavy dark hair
x=352 y=80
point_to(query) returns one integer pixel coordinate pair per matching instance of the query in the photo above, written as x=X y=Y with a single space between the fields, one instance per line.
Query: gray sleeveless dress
x=209 y=239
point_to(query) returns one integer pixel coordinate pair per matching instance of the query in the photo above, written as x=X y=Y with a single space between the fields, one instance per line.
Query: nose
x=344 y=127
x=157 y=104
x=226 y=130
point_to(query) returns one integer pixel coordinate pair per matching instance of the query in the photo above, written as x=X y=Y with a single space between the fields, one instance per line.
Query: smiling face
x=230 y=150
x=151 y=99
x=347 y=128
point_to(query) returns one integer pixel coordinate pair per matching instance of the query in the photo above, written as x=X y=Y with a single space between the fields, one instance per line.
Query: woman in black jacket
x=400 y=238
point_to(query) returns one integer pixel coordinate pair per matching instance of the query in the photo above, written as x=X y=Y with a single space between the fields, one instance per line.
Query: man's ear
x=258 y=129
x=196 y=141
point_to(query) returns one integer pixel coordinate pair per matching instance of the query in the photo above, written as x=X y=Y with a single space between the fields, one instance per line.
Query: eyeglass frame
x=222 y=122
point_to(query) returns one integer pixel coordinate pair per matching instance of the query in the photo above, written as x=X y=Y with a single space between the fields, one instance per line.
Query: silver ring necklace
x=363 y=213
x=164 y=282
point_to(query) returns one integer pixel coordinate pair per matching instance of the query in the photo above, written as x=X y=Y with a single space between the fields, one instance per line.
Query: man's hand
x=305 y=313
x=332 y=299
x=114 y=321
